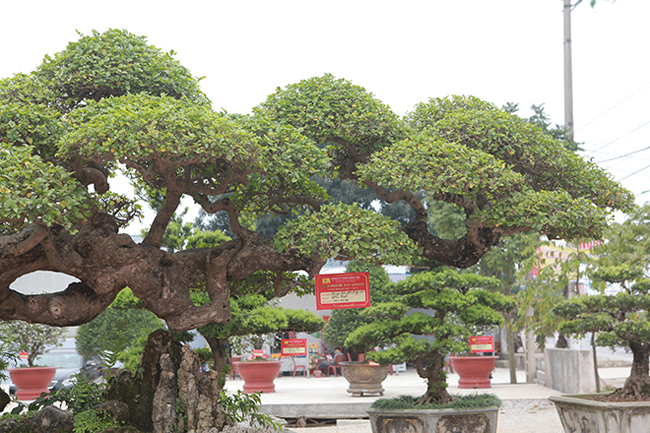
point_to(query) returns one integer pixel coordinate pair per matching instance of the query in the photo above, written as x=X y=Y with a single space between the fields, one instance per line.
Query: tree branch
x=93 y=173
x=421 y=213
x=161 y=221
x=460 y=253
x=76 y=305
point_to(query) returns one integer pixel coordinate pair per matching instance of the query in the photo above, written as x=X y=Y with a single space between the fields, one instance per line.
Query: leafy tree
x=621 y=319
x=457 y=305
x=33 y=338
x=540 y=119
x=119 y=331
x=110 y=102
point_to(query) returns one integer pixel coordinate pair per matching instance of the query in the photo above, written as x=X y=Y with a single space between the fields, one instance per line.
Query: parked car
x=69 y=363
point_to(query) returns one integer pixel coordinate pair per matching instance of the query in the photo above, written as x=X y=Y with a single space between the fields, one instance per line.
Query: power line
x=615 y=140
x=614 y=106
x=622 y=156
x=636 y=172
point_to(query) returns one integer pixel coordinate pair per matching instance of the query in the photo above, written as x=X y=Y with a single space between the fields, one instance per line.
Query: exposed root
x=435 y=398
x=636 y=387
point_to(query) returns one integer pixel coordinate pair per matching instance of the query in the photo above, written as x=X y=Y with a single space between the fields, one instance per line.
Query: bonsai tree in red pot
x=254 y=316
x=34 y=339
x=455 y=303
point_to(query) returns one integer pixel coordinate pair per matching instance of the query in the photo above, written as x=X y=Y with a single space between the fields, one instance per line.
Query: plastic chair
x=336 y=367
x=297 y=367
x=233 y=367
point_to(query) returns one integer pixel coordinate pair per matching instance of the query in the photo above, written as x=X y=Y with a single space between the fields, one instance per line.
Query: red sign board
x=293 y=347
x=338 y=291
x=481 y=344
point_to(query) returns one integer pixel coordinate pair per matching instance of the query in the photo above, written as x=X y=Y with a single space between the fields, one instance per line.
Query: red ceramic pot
x=258 y=375
x=31 y=381
x=474 y=371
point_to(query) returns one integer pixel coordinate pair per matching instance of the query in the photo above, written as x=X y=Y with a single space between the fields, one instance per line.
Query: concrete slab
x=326 y=397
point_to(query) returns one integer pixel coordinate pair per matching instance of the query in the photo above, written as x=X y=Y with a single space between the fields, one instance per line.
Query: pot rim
x=428 y=411
x=583 y=400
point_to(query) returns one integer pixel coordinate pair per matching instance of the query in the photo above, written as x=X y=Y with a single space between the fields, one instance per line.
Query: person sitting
x=324 y=364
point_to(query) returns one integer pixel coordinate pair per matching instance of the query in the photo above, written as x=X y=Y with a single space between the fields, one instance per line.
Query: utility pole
x=568 y=74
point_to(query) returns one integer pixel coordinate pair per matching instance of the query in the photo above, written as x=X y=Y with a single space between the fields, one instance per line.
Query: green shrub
x=92 y=421
x=472 y=401
x=245 y=407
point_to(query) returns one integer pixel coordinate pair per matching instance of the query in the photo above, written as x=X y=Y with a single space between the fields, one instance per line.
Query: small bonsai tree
x=456 y=305
x=33 y=338
x=622 y=319
x=255 y=315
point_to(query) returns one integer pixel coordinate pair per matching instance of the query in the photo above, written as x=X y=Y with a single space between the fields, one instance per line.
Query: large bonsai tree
x=111 y=104
x=620 y=320
x=456 y=305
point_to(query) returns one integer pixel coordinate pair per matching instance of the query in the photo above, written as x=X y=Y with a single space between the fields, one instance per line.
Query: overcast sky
x=403 y=52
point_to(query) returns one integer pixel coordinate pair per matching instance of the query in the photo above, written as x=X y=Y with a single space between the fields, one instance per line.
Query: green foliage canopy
x=110 y=104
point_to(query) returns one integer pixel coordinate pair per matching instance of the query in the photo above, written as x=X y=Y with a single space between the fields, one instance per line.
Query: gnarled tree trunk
x=431 y=368
x=168 y=393
x=638 y=383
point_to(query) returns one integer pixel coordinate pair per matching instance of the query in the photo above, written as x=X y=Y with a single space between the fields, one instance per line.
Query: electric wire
x=614 y=106
x=622 y=156
x=632 y=174
x=615 y=140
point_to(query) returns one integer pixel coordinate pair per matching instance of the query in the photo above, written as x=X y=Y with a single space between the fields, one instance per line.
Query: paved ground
x=525 y=406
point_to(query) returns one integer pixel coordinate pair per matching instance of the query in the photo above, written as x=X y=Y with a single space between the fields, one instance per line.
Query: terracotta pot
x=474 y=371
x=364 y=378
x=258 y=375
x=31 y=382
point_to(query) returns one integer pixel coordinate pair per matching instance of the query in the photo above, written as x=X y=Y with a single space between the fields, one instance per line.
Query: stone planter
x=474 y=371
x=31 y=381
x=434 y=421
x=363 y=377
x=258 y=375
x=579 y=414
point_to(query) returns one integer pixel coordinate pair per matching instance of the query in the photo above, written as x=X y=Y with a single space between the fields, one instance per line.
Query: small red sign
x=293 y=347
x=338 y=291
x=481 y=344
x=23 y=355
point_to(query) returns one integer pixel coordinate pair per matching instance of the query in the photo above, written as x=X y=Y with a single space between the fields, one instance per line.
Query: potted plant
x=255 y=318
x=620 y=320
x=450 y=305
x=35 y=339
